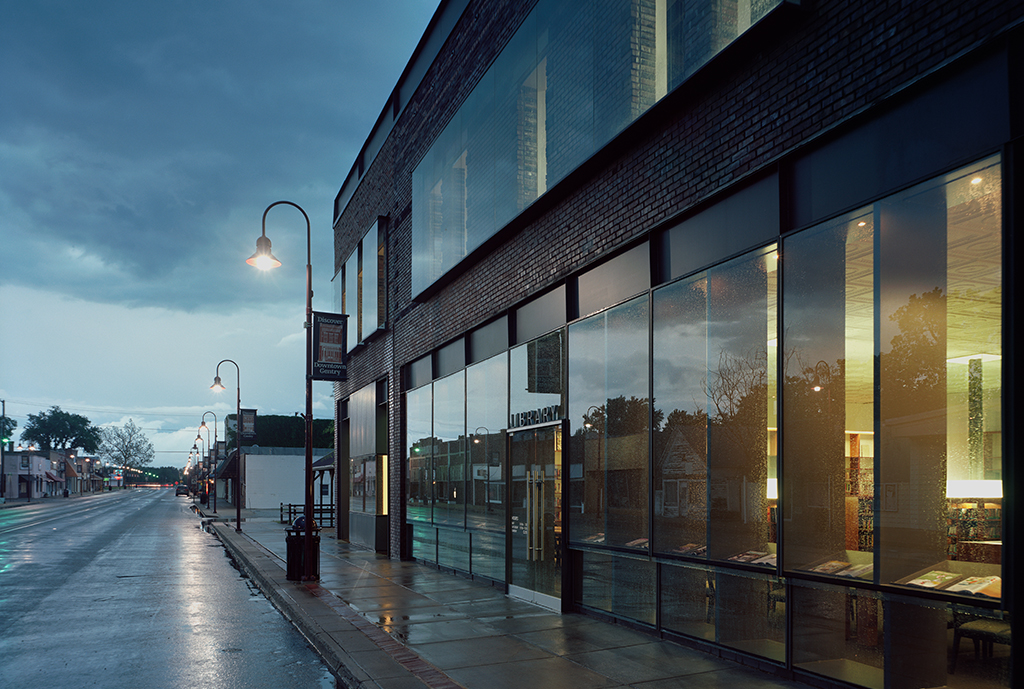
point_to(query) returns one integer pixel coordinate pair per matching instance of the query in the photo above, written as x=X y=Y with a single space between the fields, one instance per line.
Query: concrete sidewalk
x=390 y=624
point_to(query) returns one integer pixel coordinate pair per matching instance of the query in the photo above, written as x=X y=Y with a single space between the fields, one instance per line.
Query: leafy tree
x=7 y=426
x=914 y=369
x=126 y=447
x=56 y=429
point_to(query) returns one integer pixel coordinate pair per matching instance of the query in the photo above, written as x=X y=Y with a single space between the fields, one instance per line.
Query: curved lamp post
x=588 y=424
x=197 y=471
x=264 y=260
x=206 y=455
x=203 y=426
x=217 y=385
x=199 y=464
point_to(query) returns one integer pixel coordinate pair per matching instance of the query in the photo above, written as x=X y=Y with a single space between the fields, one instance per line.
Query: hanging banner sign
x=248 y=425
x=329 y=361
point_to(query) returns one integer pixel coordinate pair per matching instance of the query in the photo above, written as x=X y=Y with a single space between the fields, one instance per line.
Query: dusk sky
x=139 y=146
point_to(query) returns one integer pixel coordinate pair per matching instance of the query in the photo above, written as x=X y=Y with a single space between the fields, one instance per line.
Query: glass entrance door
x=535 y=460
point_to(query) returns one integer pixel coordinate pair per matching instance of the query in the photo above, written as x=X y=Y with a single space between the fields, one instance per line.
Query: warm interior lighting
x=967 y=359
x=974 y=489
x=263 y=259
x=976 y=180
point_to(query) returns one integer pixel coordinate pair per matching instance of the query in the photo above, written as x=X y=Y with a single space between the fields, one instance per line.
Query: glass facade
x=360 y=288
x=609 y=421
x=715 y=444
x=805 y=437
x=456 y=468
x=572 y=77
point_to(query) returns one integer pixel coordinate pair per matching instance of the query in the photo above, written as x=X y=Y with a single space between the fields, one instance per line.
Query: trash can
x=295 y=546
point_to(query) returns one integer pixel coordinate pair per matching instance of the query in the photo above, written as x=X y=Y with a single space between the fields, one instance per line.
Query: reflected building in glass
x=694 y=315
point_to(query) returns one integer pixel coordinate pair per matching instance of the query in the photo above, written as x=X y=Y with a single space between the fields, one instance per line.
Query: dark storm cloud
x=142 y=141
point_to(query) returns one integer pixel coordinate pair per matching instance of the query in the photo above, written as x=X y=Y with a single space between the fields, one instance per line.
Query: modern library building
x=697 y=315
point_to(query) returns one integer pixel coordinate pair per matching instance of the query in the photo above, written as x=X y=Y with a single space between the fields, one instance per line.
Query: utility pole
x=3 y=441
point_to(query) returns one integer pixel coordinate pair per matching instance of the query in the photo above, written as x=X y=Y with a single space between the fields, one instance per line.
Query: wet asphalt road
x=125 y=590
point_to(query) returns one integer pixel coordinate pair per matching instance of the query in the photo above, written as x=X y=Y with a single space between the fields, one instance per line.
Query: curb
x=261 y=567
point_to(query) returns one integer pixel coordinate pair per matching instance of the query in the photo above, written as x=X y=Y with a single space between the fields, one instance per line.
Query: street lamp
x=199 y=473
x=203 y=453
x=217 y=385
x=589 y=424
x=264 y=260
x=215 y=453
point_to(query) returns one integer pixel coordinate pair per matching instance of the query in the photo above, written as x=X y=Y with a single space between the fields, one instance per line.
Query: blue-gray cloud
x=141 y=141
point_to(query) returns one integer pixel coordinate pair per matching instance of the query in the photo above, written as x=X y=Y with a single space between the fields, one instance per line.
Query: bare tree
x=127 y=446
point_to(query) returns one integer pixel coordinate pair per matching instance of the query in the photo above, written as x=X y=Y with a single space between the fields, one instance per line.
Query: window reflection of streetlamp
x=823 y=381
x=589 y=420
x=487 y=465
x=819 y=383
x=265 y=260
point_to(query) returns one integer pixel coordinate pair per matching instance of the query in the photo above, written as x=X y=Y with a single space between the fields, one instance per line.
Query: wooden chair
x=983 y=631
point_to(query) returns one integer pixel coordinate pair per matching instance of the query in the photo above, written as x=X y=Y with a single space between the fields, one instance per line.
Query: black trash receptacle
x=295 y=543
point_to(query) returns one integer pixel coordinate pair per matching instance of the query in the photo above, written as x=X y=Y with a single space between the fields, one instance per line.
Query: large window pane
x=369 y=285
x=839 y=632
x=740 y=388
x=453 y=549
x=424 y=542
x=450 y=450
x=420 y=453
x=572 y=77
x=486 y=421
x=488 y=555
x=619 y=585
x=536 y=374
x=940 y=342
x=750 y=613
x=680 y=398
x=688 y=601
x=609 y=416
x=828 y=396
x=900 y=302
x=351 y=300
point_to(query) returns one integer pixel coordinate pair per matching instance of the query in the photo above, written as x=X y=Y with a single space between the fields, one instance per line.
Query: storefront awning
x=50 y=476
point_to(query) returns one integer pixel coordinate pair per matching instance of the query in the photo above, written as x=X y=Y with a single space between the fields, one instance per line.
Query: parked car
x=182 y=489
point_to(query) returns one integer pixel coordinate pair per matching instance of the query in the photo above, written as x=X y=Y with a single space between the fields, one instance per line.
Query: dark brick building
x=699 y=315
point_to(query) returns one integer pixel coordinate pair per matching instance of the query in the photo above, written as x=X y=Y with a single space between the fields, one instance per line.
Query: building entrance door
x=535 y=511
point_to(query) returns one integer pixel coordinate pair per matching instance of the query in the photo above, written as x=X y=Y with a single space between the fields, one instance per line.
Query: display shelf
x=972 y=521
x=860 y=487
x=850 y=564
x=950 y=575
